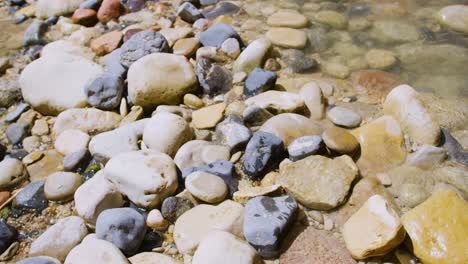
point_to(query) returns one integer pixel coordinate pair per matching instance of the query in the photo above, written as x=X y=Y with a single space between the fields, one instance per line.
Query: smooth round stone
x=71 y=140
x=345 y=117
x=287 y=19
x=193 y=101
x=186 y=47
x=206 y=186
x=380 y=59
x=304 y=146
x=61 y=186
x=332 y=18
x=287 y=37
x=156 y=221
x=454 y=17
x=12 y=172
x=105 y=91
x=340 y=140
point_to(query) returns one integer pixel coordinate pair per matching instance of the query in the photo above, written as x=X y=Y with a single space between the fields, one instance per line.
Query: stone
x=160 y=79
x=374 y=230
x=96 y=195
x=340 y=140
x=287 y=37
x=394 y=31
x=123 y=227
x=259 y=81
x=39 y=260
x=173 y=207
x=406 y=106
x=256 y=116
x=151 y=258
x=193 y=101
x=33 y=157
x=4 y=196
x=109 y=10
x=61 y=186
x=106 y=43
x=222 y=168
x=200 y=152
x=58 y=240
x=156 y=221
x=277 y=101
x=215 y=35
x=427 y=157
x=174 y=109
x=112 y=63
x=19 y=19
x=382 y=145
x=174 y=34
x=298 y=62
x=380 y=59
x=91 y=4
x=410 y=194
x=71 y=140
x=303 y=147
x=186 y=47
x=287 y=19
x=281 y=125
x=208 y=2
x=141 y=44
x=319 y=182
x=194 y=225
x=15 y=114
x=252 y=56
x=85 y=17
x=17 y=132
x=208 y=116
x=266 y=222
x=105 y=91
x=233 y=133
x=263 y=152
x=133 y=5
x=34 y=34
x=223 y=8
x=48 y=164
x=49 y=8
x=40 y=128
x=313 y=99
x=155 y=176
x=220 y=246
x=32 y=197
x=8 y=235
x=231 y=47
x=89 y=120
x=188 y=12
x=206 y=187
x=67 y=47
x=166 y=132
x=76 y=161
x=44 y=90
x=214 y=79
x=332 y=18
x=435 y=227
x=95 y=251
x=454 y=17
x=455 y=150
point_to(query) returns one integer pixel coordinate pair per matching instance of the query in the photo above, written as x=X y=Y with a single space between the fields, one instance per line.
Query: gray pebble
x=173 y=207
x=32 y=197
x=263 y=152
x=214 y=79
x=215 y=35
x=233 y=133
x=17 y=132
x=39 y=260
x=256 y=116
x=342 y=116
x=15 y=114
x=304 y=146
x=105 y=91
x=76 y=161
x=142 y=44
x=34 y=33
x=259 y=81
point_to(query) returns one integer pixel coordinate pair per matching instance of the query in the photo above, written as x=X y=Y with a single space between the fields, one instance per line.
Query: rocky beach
x=233 y=132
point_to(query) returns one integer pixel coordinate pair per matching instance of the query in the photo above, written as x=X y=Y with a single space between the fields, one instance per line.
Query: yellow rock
x=209 y=116
x=438 y=229
x=29 y=11
x=374 y=230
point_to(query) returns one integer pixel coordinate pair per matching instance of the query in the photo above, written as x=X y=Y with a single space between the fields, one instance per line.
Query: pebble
x=142 y=44
x=454 y=17
x=4 y=196
x=19 y=19
x=222 y=168
x=394 y=31
x=186 y=47
x=34 y=34
x=298 y=62
x=287 y=19
x=380 y=59
x=313 y=99
x=215 y=35
x=90 y=4
x=266 y=222
x=332 y=18
x=188 y=12
x=277 y=101
x=193 y=101
x=231 y=47
x=252 y=56
x=208 y=116
x=455 y=150
x=123 y=227
x=112 y=63
x=105 y=91
x=71 y=140
x=256 y=116
x=214 y=79
x=8 y=235
x=262 y=154
x=345 y=117
x=233 y=133
x=15 y=114
x=61 y=186
x=303 y=147
x=39 y=260
x=412 y=194
x=76 y=161
x=32 y=197
x=85 y=17
x=223 y=8
x=48 y=164
x=287 y=37
x=427 y=157
x=33 y=157
x=109 y=10
x=200 y=152
x=156 y=221
x=174 y=34
x=133 y=5
x=106 y=43
x=12 y=172
x=151 y=258
x=173 y=207
x=259 y=81
x=40 y=128
x=206 y=187
x=340 y=140
x=94 y=250
x=336 y=70
x=17 y=132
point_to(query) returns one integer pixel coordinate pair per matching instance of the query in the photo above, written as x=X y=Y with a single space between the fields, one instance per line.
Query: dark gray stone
x=39 y=260
x=3 y=151
x=150 y=241
x=188 y=12
x=51 y=20
x=91 y=4
x=263 y=153
x=266 y=221
x=123 y=227
x=454 y=149
x=223 y=8
x=304 y=146
x=298 y=62
x=19 y=19
x=17 y=132
x=15 y=114
x=215 y=35
x=214 y=79
x=34 y=33
x=32 y=197
x=34 y=52
x=259 y=81
x=112 y=62
x=17 y=2
x=105 y=91
x=233 y=133
x=8 y=235
x=221 y=168
x=18 y=154
x=256 y=116
x=76 y=161
x=142 y=44
x=133 y=5
x=208 y=2
x=173 y=207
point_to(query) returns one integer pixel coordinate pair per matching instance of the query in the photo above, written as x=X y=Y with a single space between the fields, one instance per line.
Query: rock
x=189 y=12
x=76 y=161
x=281 y=125
x=319 y=182
x=70 y=141
x=303 y=147
x=266 y=222
x=206 y=187
x=151 y=258
x=200 y=152
x=435 y=227
x=313 y=99
x=194 y=225
x=394 y=31
x=15 y=114
x=373 y=85
x=186 y=47
x=106 y=43
x=4 y=64
x=345 y=117
x=263 y=152
x=155 y=176
x=34 y=34
x=44 y=89
x=298 y=62
x=173 y=109
x=19 y=19
x=17 y=132
x=454 y=149
x=40 y=128
x=67 y=47
x=85 y=17
x=193 y=101
x=224 y=8
x=221 y=168
x=173 y=207
x=96 y=195
x=215 y=35
x=233 y=133
x=58 y=240
x=133 y=5
x=32 y=197
x=222 y=246
x=214 y=79
x=252 y=56
x=109 y=10
x=61 y=186
x=89 y=120
x=287 y=19
x=276 y=101
x=8 y=235
x=105 y=91
x=50 y=8
x=454 y=17
x=255 y=116
x=4 y=196
x=332 y=18
x=411 y=194
x=112 y=63
x=427 y=157
x=340 y=140
x=380 y=59
x=123 y=227
x=209 y=116
x=310 y=245
x=259 y=81
x=287 y=37
x=39 y=260
x=381 y=144
x=174 y=34
x=155 y=220
x=231 y=47
x=141 y=44
x=160 y=79
x=336 y=69
x=166 y=132
x=95 y=251
x=48 y=164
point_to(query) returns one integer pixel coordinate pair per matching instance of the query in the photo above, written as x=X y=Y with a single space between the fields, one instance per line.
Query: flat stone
x=380 y=59
x=16 y=132
x=303 y=147
x=61 y=186
x=215 y=35
x=223 y=8
x=340 y=140
x=85 y=17
x=209 y=116
x=231 y=47
x=454 y=17
x=259 y=81
x=199 y=153
x=142 y=44
x=174 y=34
x=252 y=56
x=287 y=38
x=51 y=162
x=106 y=43
x=93 y=251
x=32 y=197
x=15 y=114
x=332 y=18
x=345 y=117
x=173 y=207
x=186 y=47
x=277 y=101
x=262 y=154
x=394 y=31
x=12 y=172
x=71 y=140
x=287 y=19
x=373 y=85
x=319 y=182
x=89 y=120
x=206 y=187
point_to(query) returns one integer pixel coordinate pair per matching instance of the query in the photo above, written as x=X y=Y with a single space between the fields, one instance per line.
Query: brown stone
x=109 y=10
x=186 y=47
x=373 y=85
x=106 y=43
x=50 y=163
x=4 y=196
x=85 y=17
x=340 y=140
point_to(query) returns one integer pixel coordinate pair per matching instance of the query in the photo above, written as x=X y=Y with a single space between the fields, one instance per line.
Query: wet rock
x=32 y=197
x=123 y=227
x=454 y=149
x=214 y=79
x=340 y=140
x=109 y=10
x=266 y=222
x=233 y=133
x=61 y=186
x=206 y=187
x=394 y=31
x=427 y=157
x=39 y=260
x=17 y=132
x=186 y=47
x=142 y=44
x=34 y=34
x=94 y=250
x=259 y=81
x=252 y=56
x=173 y=207
x=89 y=120
x=380 y=59
x=262 y=153
x=287 y=19
x=189 y=12
x=277 y=101
x=303 y=147
x=332 y=18
x=76 y=161
x=298 y=62
x=215 y=35
x=454 y=17
x=85 y=17
x=8 y=235
x=208 y=116
x=223 y=8
x=373 y=85
x=287 y=38
x=199 y=153
x=70 y=141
